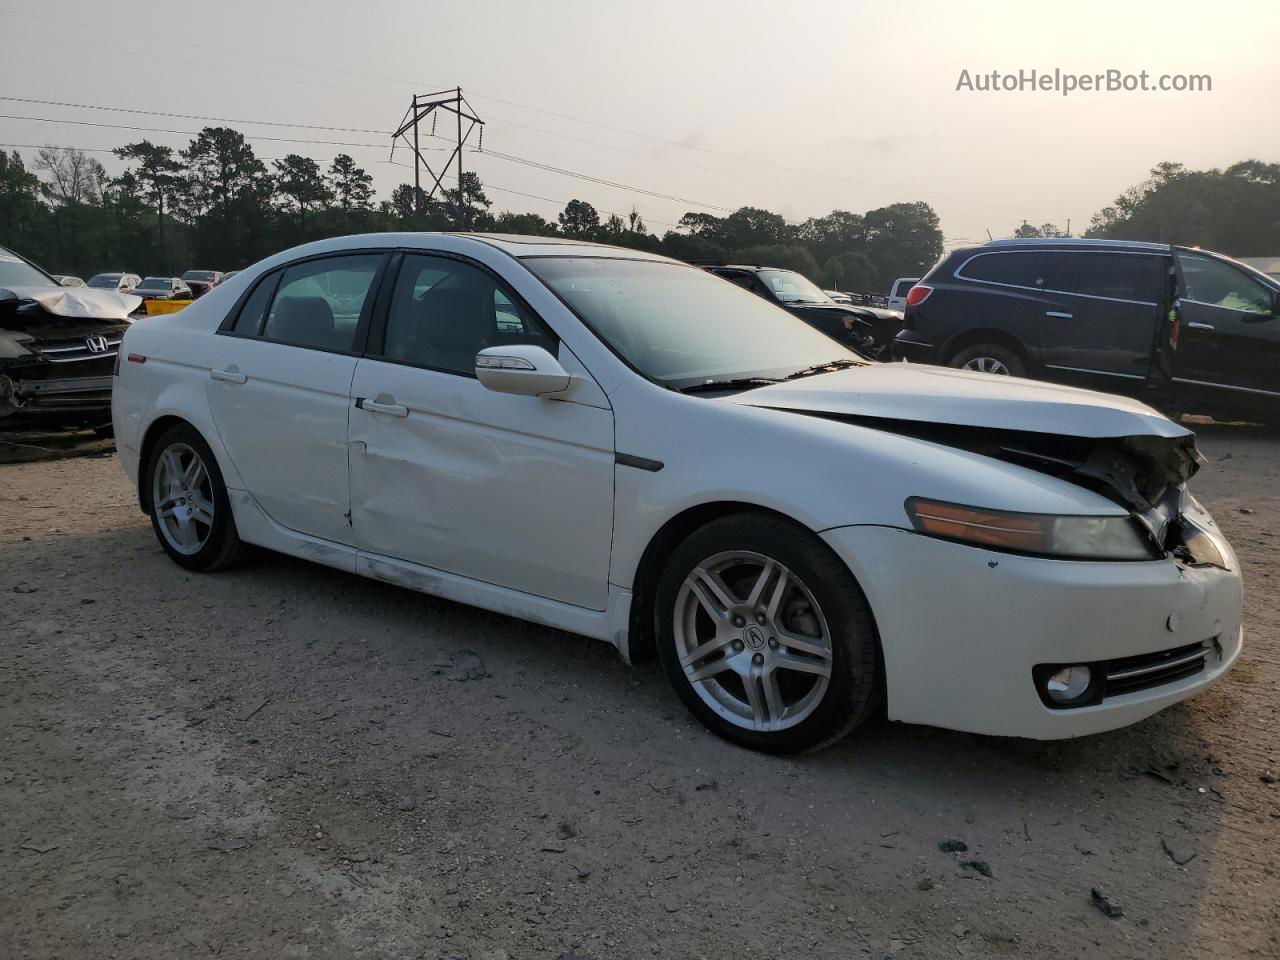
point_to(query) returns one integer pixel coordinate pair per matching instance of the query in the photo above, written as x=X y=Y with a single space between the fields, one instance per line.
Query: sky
x=800 y=108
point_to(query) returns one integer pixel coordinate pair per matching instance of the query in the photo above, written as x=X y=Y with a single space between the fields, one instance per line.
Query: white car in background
x=625 y=447
x=898 y=292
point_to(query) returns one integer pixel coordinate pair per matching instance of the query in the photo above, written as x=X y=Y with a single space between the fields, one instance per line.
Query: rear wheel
x=765 y=635
x=990 y=358
x=190 y=510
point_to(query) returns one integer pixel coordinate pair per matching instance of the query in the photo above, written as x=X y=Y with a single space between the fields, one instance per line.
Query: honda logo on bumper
x=96 y=344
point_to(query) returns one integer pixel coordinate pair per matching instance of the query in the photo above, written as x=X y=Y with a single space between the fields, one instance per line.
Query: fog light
x=1069 y=683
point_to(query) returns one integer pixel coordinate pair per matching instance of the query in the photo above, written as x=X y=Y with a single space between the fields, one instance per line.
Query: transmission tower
x=426 y=105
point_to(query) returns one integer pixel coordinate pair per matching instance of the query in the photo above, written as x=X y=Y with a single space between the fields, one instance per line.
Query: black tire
x=222 y=547
x=854 y=687
x=997 y=352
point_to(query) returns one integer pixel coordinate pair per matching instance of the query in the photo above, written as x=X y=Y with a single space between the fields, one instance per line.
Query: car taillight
x=918 y=294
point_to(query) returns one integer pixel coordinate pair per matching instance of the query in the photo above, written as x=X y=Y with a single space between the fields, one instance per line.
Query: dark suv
x=865 y=329
x=1189 y=328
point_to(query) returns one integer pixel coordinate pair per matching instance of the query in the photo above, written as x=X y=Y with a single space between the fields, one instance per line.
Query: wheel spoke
x=787 y=661
x=193 y=476
x=201 y=509
x=779 y=591
x=708 y=670
x=172 y=467
x=773 y=695
x=704 y=650
x=711 y=593
x=755 y=696
x=810 y=645
x=757 y=589
x=186 y=532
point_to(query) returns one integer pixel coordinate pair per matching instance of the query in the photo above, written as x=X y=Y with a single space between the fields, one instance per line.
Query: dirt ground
x=285 y=761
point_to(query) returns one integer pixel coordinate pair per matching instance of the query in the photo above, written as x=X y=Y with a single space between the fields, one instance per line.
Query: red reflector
x=137 y=358
x=918 y=294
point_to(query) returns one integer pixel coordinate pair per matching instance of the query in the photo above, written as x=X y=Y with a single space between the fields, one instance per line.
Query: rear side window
x=318 y=303
x=1117 y=276
x=1017 y=269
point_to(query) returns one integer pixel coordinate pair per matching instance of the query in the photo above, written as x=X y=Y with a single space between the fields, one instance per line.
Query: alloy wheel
x=988 y=365
x=182 y=497
x=752 y=641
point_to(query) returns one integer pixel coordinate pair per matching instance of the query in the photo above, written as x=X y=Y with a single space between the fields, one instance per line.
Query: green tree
x=301 y=187
x=787 y=256
x=155 y=175
x=351 y=185
x=468 y=204
x=22 y=215
x=579 y=219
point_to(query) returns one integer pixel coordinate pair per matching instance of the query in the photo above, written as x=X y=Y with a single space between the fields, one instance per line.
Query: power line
x=186 y=133
x=192 y=116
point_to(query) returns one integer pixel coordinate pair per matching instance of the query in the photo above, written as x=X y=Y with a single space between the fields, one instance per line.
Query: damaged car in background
x=802 y=537
x=58 y=346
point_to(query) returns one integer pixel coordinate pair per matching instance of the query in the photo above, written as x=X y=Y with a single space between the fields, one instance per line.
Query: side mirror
x=521 y=369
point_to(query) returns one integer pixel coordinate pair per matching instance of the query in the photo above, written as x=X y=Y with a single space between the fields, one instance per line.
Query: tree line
x=215 y=204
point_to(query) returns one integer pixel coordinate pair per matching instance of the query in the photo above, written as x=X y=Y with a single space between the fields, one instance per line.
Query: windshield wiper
x=824 y=368
x=728 y=383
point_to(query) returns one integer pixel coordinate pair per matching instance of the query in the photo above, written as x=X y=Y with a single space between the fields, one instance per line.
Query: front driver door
x=514 y=491
x=279 y=383
x=1230 y=336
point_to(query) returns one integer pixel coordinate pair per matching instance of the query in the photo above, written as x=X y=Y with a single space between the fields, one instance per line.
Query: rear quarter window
x=1036 y=269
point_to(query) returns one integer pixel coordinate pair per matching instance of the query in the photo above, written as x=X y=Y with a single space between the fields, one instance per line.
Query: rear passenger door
x=1099 y=318
x=279 y=386
x=511 y=490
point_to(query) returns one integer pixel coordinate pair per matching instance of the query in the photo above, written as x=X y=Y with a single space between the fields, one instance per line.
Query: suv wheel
x=766 y=636
x=990 y=358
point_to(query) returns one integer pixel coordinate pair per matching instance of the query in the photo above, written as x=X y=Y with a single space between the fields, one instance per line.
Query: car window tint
x=1118 y=276
x=318 y=303
x=249 y=322
x=1019 y=269
x=443 y=312
x=1209 y=280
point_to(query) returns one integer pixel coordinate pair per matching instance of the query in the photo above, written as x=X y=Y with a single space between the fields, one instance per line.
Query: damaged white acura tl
x=626 y=447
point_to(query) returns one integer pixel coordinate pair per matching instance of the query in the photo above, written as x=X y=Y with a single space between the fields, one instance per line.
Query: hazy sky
x=798 y=107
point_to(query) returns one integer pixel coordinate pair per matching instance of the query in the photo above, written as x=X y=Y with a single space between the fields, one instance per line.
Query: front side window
x=318 y=303
x=1217 y=283
x=680 y=325
x=443 y=312
x=1037 y=269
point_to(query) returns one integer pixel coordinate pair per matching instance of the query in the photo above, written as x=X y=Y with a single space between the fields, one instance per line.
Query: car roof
x=520 y=246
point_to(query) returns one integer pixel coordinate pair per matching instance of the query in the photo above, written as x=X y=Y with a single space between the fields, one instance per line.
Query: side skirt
x=609 y=625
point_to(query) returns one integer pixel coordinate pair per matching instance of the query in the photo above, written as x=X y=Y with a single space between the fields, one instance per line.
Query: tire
x=991 y=358
x=191 y=516
x=813 y=618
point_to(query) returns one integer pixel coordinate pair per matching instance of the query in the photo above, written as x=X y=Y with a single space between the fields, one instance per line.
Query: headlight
x=1067 y=537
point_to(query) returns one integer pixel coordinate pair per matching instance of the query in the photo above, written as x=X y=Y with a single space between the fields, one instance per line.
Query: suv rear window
x=1016 y=268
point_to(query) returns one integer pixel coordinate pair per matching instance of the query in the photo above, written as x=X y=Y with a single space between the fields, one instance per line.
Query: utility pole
x=421 y=107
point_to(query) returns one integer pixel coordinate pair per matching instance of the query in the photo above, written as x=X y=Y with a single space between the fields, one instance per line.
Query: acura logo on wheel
x=96 y=344
x=754 y=637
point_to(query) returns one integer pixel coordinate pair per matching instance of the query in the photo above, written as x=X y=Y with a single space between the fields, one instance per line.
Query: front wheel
x=190 y=510
x=766 y=636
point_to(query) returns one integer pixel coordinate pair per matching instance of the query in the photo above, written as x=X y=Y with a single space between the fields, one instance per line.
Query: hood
x=1115 y=445
x=80 y=303
x=926 y=394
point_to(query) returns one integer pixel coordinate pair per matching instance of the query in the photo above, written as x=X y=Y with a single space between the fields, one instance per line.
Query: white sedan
x=626 y=447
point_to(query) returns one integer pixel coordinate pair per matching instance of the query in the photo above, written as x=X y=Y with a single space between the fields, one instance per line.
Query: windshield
x=680 y=325
x=155 y=283
x=791 y=287
x=108 y=281
x=201 y=275
x=16 y=272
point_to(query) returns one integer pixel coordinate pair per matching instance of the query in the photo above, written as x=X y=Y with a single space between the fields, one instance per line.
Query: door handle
x=390 y=409
x=1059 y=314
x=1200 y=326
x=228 y=376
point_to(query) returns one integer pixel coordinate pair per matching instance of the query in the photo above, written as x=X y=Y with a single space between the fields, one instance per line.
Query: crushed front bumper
x=963 y=628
